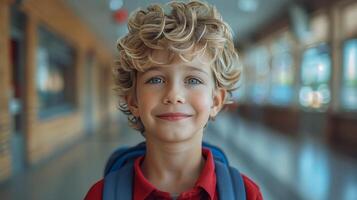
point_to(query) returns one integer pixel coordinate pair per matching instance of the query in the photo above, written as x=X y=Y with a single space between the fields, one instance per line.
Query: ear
x=219 y=96
x=132 y=104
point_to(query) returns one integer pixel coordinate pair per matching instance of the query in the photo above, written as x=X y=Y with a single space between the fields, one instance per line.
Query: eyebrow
x=191 y=68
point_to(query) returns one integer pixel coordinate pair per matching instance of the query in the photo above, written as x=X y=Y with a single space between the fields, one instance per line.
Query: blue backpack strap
x=118 y=185
x=217 y=153
x=122 y=155
x=229 y=182
x=238 y=184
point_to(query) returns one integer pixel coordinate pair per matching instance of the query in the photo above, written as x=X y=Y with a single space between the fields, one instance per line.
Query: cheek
x=202 y=100
x=146 y=100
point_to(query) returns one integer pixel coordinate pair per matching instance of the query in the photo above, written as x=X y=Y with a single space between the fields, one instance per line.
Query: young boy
x=177 y=67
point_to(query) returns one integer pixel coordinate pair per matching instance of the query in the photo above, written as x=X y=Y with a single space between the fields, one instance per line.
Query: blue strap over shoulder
x=119 y=173
x=123 y=154
x=118 y=185
x=230 y=183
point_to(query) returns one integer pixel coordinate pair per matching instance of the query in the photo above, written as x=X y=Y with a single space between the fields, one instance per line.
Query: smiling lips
x=173 y=116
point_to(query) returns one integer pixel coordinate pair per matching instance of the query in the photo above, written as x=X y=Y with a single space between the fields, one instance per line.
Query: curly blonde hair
x=179 y=28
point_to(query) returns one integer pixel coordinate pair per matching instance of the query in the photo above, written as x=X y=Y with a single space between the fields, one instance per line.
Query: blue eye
x=194 y=81
x=155 y=80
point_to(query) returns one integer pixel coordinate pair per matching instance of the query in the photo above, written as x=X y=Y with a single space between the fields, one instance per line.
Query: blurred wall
x=45 y=137
x=282 y=62
x=5 y=159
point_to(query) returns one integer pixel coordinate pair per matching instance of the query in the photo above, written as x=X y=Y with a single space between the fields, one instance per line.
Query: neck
x=173 y=167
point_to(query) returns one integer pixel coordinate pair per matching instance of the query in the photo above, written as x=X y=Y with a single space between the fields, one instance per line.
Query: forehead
x=164 y=58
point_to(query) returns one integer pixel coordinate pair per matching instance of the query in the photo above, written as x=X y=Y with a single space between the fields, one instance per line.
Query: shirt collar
x=142 y=187
x=207 y=179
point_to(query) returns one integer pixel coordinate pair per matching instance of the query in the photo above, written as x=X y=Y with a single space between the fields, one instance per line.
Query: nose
x=174 y=95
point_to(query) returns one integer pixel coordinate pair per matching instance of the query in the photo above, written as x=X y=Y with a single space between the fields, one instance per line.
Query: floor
x=284 y=167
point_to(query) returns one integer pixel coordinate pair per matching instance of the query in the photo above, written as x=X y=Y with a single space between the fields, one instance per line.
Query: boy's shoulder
x=96 y=191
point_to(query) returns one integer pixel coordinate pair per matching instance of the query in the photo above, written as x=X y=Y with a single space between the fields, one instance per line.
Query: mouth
x=173 y=116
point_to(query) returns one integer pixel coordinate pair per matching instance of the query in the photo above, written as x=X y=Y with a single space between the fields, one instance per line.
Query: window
x=55 y=74
x=349 y=75
x=315 y=77
x=282 y=80
x=258 y=69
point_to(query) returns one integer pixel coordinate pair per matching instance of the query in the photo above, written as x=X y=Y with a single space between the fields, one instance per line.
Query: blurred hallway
x=292 y=126
x=284 y=167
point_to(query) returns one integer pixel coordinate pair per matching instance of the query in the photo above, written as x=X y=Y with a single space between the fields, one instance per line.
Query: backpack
x=119 y=173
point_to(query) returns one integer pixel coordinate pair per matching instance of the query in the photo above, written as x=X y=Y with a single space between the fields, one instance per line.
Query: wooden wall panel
x=57 y=16
x=5 y=123
x=45 y=137
x=53 y=135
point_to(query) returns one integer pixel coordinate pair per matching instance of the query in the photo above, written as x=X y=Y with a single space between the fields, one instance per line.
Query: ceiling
x=98 y=16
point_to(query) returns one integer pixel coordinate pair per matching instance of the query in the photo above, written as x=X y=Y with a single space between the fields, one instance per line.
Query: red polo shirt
x=204 y=188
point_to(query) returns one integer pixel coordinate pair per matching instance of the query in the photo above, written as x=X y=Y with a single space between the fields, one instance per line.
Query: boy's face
x=174 y=101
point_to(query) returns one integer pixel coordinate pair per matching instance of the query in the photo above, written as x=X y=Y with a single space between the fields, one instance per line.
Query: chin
x=176 y=136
